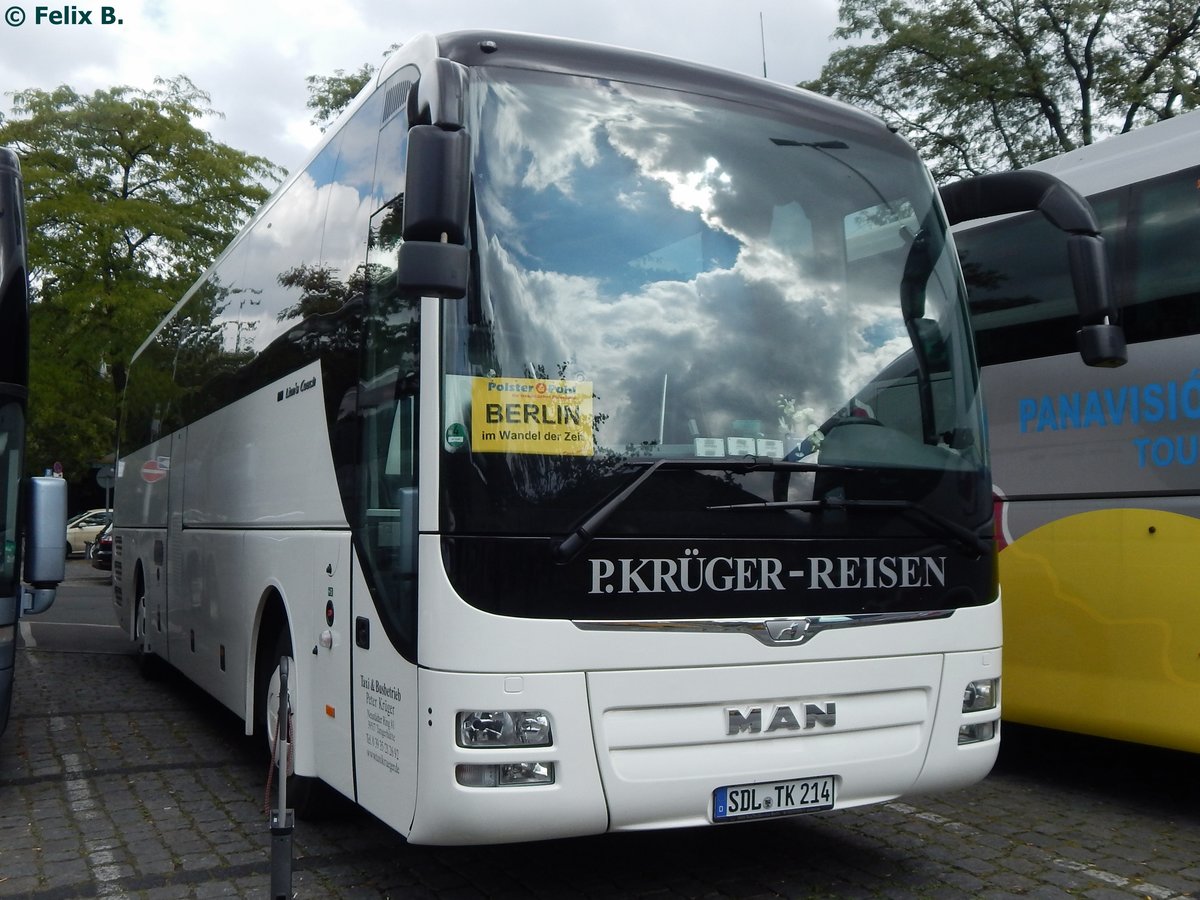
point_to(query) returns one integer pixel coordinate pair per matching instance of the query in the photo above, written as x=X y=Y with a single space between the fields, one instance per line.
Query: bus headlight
x=504 y=728
x=981 y=695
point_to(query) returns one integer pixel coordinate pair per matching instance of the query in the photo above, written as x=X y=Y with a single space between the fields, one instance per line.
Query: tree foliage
x=981 y=85
x=128 y=201
x=328 y=95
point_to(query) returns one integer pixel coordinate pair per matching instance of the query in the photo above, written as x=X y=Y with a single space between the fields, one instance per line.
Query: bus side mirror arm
x=1101 y=339
x=440 y=95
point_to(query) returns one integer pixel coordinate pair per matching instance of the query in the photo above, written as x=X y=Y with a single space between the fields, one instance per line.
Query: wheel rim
x=272 y=707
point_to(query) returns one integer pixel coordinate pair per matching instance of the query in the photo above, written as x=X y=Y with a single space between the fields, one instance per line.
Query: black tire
x=308 y=797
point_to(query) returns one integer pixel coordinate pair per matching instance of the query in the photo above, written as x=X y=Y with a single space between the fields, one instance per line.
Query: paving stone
x=117 y=786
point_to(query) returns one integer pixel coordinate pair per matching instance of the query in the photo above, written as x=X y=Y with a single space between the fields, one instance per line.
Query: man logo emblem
x=750 y=720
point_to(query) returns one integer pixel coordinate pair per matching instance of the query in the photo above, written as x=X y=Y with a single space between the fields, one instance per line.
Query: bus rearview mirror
x=1101 y=341
x=437 y=185
x=432 y=269
x=1102 y=346
x=46 y=535
x=433 y=260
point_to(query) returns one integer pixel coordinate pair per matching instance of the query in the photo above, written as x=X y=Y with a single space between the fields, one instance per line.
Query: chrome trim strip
x=772 y=632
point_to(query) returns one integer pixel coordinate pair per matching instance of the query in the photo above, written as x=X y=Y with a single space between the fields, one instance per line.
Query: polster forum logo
x=67 y=15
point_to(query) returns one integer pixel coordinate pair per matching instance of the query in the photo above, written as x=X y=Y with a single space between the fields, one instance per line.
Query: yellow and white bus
x=1098 y=471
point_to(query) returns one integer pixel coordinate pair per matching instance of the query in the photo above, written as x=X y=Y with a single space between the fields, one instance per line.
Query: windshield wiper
x=962 y=535
x=568 y=548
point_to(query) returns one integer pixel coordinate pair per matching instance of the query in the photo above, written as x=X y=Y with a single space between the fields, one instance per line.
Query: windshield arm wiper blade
x=568 y=548
x=579 y=537
x=964 y=536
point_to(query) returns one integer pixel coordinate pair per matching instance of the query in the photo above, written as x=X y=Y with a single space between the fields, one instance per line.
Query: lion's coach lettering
x=691 y=573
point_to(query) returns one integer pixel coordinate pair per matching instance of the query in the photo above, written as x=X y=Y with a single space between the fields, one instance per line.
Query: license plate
x=773 y=798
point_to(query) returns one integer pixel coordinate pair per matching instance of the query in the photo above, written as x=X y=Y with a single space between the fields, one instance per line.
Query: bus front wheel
x=305 y=795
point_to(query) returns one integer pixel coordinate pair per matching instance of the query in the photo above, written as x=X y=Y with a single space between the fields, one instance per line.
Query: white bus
x=1098 y=470
x=600 y=437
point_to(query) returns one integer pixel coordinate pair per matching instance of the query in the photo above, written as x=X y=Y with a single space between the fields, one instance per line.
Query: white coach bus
x=600 y=437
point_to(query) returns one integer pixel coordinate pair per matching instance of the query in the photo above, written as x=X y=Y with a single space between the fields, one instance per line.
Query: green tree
x=128 y=201
x=981 y=85
x=328 y=95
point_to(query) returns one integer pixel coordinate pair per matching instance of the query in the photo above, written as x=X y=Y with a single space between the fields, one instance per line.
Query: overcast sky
x=252 y=57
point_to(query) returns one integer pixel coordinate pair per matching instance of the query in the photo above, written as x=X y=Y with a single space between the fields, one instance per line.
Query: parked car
x=102 y=547
x=82 y=529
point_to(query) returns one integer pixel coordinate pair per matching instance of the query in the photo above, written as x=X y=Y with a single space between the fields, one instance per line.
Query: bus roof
x=555 y=54
x=1128 y=158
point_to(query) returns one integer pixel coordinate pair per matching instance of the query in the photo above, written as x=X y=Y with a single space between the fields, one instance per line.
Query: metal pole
x=282 y=819
x=762 y=36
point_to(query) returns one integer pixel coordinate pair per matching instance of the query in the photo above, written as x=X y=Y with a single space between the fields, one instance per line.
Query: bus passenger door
x=386 y=717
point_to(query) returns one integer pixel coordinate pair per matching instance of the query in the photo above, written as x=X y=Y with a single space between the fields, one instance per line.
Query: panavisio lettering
x=692 y=572
x=1166 y=401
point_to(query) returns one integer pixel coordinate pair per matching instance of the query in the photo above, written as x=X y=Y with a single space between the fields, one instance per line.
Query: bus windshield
x=662 y=276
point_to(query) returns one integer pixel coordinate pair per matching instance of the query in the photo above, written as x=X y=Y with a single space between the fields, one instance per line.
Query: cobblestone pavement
x=112 y=786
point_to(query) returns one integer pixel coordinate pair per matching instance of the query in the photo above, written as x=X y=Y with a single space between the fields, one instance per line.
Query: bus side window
x=392 y=156
x=1164 y=298
x=388 y=403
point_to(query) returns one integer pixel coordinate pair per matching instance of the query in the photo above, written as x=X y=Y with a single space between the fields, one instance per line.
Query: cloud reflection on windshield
x=669 y=250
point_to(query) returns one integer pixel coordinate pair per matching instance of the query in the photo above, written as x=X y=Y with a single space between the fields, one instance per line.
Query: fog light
x=981 y=695
x=527 y=773
x=504 y=728
x=505 y=774
x=974 y=734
